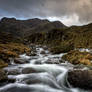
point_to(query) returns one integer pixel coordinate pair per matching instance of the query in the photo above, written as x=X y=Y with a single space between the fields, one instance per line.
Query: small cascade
x=45 y=72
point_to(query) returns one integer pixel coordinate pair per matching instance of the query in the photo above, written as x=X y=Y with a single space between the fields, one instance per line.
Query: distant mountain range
x=38 y=31
x=23 y=28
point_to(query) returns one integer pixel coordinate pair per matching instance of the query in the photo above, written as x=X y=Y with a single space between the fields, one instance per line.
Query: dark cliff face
x=22 y=28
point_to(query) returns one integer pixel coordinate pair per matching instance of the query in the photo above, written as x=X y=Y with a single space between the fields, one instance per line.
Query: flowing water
x=48 y=74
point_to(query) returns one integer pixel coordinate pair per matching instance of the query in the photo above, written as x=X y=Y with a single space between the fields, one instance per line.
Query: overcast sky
x=70 y=12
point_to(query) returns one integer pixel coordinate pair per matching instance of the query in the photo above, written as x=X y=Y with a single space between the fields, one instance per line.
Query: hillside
x=22 y=28
x=54 y=34
x=65 y=39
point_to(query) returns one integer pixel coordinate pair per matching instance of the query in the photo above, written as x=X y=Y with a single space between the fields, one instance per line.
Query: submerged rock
x=80 y=78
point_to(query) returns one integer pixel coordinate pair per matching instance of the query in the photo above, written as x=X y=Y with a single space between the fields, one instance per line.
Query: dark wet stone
x=42 y=52
x=80 y=78
x=38 y=62
x=28 y=70
x=30 y=81
x=13 y=72
x=52 y=62
x=17 y=89
x=62 y=61
x=45 y=47
x=20 y=61
x=11 y=80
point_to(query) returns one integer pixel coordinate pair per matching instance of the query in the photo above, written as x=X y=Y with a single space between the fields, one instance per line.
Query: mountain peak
x=7 y=19
x=27 y=27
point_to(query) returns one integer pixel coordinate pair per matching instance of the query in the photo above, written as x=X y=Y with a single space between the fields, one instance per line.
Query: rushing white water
x=49 y=74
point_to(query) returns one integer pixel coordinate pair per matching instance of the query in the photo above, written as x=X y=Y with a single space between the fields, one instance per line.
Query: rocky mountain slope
x=65 y=39
x=55 y=34
x=22 y=28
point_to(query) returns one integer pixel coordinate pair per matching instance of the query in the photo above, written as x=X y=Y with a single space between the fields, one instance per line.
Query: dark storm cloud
x=22 y=8
x=79 y=9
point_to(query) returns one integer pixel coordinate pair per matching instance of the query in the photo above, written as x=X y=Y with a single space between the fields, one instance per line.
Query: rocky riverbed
x=45 y=72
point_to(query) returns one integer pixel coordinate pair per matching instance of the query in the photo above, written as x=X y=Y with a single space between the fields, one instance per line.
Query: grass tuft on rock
x=77 y=57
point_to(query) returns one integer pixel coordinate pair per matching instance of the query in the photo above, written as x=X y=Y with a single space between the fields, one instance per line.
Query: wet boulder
x=11 y=80
x=52 y=62
x=43 y=52
x=28 y=70
x=13 y=72
x=15 y=88
x=38 y=62
x=80 y=78
x=21 y=61
x=30 y=81
x=45 y=47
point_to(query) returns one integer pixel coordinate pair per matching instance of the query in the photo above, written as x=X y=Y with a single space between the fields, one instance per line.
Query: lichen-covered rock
x=80 y=78
x=77 y=57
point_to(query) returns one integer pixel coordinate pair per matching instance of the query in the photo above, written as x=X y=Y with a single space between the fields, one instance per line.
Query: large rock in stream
x=28 y=70
x=80 y=78
x=21 y=61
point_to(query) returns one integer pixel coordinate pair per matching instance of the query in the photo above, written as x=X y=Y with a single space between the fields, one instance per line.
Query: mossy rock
x=12 y=50
x=77 y=57
x=3 y=64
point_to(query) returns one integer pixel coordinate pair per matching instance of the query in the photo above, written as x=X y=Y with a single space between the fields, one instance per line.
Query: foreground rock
x=77 y=57
x=80 y=78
